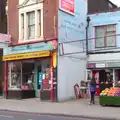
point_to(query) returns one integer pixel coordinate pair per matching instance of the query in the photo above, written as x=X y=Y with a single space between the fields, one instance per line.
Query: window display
x=14 y=75
x=20 y=76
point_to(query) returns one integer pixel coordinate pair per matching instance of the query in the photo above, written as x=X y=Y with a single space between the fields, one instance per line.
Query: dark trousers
x=92 y=99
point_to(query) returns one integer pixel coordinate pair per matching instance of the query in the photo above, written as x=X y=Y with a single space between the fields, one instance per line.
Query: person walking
x=92 y=90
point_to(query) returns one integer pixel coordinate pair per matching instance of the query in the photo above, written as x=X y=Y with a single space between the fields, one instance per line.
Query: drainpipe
x=88 y=21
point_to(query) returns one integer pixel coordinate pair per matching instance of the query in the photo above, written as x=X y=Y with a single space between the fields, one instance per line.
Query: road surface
x=9 y=115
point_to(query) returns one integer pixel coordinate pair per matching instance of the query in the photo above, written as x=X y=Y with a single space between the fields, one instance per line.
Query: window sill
x=31 y=40
x=109 y=47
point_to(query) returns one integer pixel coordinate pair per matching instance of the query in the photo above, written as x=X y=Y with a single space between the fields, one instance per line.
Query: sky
x=117 y=2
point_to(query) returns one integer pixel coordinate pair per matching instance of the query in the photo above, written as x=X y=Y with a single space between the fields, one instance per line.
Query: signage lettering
x=26 y=55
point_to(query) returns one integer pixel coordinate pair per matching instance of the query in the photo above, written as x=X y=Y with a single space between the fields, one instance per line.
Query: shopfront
x=106 y=74
x=31 y=74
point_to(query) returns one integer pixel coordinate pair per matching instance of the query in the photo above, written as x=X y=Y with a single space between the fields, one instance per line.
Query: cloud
x=117 y=2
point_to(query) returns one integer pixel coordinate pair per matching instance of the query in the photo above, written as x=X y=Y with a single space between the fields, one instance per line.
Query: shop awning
x=26 y=55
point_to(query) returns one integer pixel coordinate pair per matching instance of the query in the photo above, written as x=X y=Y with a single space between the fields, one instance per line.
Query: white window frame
x=25 y=10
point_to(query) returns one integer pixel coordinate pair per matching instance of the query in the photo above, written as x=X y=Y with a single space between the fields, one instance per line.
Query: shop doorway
x=101 y=77
x=97 y=75
x=28 y=75
x=42 y=77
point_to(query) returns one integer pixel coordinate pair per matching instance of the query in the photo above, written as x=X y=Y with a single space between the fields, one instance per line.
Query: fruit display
x=113 y=91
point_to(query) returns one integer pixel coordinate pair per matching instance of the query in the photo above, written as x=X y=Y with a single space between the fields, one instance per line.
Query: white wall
x=70 y=71
x=104 y=57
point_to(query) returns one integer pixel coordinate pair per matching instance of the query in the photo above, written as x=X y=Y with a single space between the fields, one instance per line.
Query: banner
x=68 y=6
x=26 y=55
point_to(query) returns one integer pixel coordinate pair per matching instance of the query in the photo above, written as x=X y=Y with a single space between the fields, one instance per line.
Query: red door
x=96 y=74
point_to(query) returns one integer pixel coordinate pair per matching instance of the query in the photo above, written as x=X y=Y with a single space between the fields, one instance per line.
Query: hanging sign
x=54 y=60
x=67 y=6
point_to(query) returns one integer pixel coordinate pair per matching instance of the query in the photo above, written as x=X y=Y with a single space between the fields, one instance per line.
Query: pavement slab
x=78 y=108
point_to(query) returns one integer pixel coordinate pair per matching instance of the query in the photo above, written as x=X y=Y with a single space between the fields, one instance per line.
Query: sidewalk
x=73 y=108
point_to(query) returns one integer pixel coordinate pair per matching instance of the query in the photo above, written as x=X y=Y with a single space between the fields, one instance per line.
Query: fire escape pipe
x=88 y=22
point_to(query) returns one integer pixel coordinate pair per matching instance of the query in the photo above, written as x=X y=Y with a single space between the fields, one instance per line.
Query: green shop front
x=30 y=71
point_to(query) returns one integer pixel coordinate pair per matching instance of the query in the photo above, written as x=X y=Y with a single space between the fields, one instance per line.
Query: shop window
x=21 y=75
x=14 y=75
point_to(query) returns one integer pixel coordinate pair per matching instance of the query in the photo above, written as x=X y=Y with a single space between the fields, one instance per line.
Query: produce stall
x=110 y=96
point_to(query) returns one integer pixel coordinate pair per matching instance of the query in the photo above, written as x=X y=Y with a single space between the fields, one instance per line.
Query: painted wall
x=71 y=28
x=104 y=57
x=42 y=46
x=104 y=19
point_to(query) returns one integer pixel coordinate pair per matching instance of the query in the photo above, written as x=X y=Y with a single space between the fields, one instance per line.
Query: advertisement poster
x=67 y=6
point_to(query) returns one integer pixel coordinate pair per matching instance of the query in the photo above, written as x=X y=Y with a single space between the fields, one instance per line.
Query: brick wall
x=13 y=20
x=50 y=18
x=50 y=12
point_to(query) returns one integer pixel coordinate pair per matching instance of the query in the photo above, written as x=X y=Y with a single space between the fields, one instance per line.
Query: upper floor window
x=31 y=25
x=105 y=36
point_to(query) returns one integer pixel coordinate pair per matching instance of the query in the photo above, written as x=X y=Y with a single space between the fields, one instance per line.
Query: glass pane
x=39 y=13
x=31 y=18
x=100 y=37
x=110 y=40
x=110 y=28
x=31 y=32
x=22 y=18
x=14 y=73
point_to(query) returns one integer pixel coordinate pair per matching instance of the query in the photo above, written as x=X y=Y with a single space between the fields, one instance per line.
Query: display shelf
x=110 y=100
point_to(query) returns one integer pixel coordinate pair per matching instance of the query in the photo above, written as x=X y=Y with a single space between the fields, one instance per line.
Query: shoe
x=93 y=102
x=89 y=103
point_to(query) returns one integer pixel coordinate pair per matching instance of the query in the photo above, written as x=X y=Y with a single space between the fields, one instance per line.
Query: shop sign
x=91 y=65
x=42 y=46
x=100 y=65
x=113 y=64
x=26 y=55
x=54 y=60
x=67 y=6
